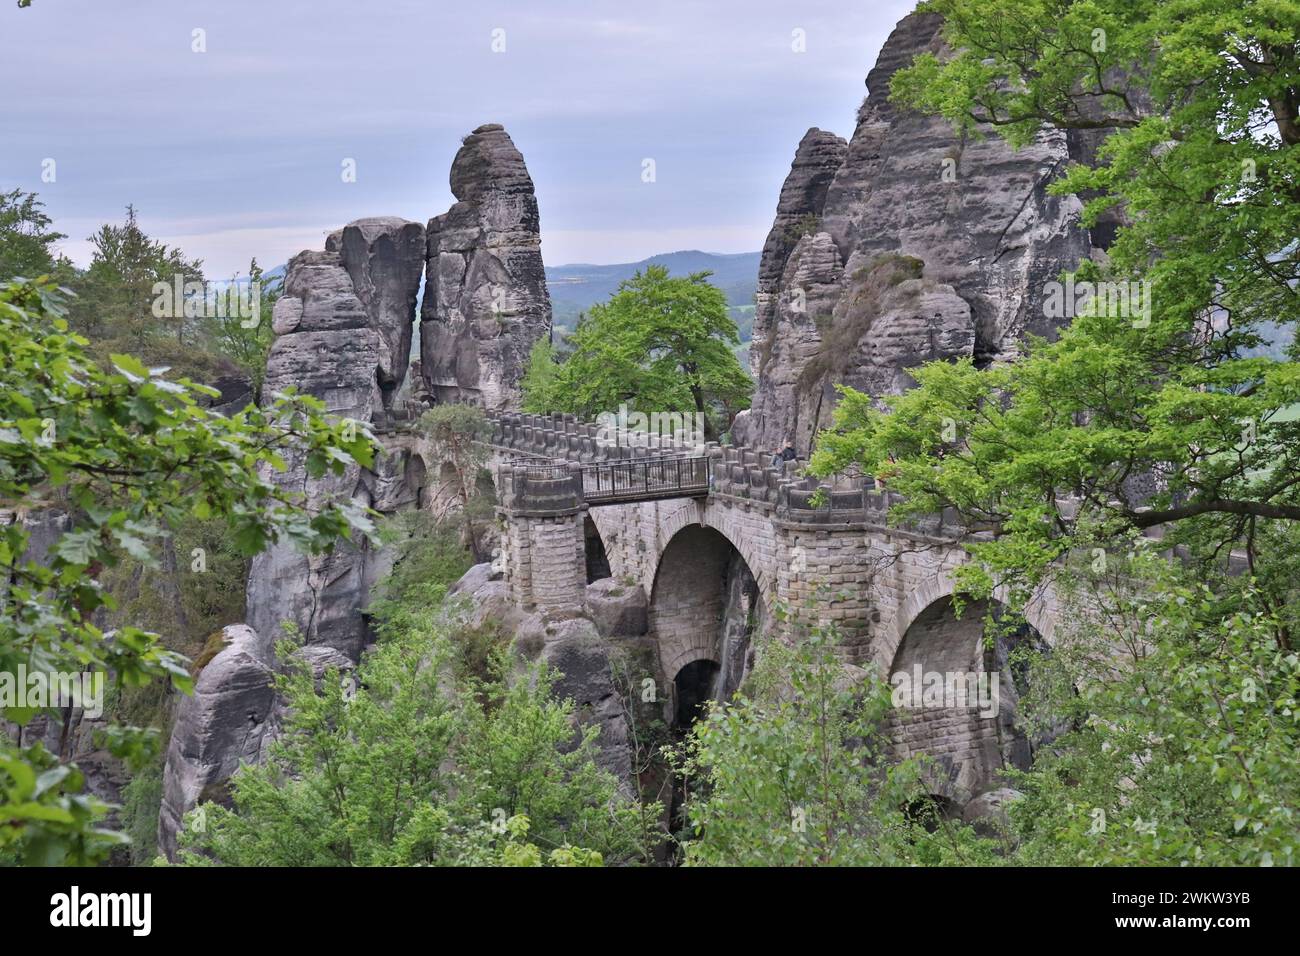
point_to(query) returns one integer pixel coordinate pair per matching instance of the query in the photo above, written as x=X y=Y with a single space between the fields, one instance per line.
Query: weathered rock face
x=343 y=326
x=221 y=726
x=343 y=335
x=921 y=246
x=617 y=609
x=987 y=812
x=485 y=300
x=803 y=199
x=583 y=660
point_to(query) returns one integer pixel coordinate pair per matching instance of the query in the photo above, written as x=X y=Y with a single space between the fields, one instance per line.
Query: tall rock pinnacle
x=485 y=298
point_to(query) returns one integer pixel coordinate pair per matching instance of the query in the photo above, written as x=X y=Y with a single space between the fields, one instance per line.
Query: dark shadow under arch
x=594 y=549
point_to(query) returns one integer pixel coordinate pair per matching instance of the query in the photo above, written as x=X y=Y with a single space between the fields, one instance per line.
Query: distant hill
x=575 y=288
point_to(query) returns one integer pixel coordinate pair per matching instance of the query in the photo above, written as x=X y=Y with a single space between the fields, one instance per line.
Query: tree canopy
x=660 y=344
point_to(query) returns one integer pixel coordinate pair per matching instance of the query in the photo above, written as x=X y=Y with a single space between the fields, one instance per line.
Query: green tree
x=246 y=339
x=541 y=380
x=1178 y=694
x=660 y=344
x=26 y=240
x=1180 y=723
x=118 y=307
x=423 y=765
x=458 y=435
x=129 y=454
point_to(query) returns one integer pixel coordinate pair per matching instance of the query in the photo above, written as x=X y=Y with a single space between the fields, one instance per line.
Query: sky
x=238 y=150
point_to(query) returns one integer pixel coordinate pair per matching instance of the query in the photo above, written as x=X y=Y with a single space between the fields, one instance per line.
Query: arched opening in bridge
x=930 y=811
x=955 y=683
x=705 y=609
x=416 y=478
x=594 y=548
x=705 y=606
x=693 y=688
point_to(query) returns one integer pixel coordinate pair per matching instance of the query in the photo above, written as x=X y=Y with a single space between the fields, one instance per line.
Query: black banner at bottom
x=142 y=906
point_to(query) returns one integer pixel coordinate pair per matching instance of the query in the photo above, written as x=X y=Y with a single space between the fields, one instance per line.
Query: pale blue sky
x=238 y=151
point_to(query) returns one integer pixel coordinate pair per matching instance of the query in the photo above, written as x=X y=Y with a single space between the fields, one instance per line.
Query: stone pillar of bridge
x=543 y=541
x=545 y=567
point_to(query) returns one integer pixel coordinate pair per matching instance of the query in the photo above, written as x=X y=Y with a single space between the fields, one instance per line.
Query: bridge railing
x=645 y=479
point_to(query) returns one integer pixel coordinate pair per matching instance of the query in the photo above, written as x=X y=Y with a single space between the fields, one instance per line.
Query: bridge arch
x=595 y=554
x=1040 y=612
x=968 y=727
x=705 y=605
x=636 y=536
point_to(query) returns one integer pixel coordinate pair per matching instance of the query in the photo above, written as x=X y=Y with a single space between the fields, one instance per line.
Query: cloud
x=258 y=124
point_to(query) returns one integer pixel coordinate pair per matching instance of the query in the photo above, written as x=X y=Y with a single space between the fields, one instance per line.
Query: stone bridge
x=718 y=538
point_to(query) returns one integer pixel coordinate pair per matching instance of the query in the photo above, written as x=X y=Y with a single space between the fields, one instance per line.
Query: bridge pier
x=545 y=566
x=543 y=542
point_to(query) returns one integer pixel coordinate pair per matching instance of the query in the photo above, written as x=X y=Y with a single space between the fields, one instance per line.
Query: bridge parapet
x=532 y=488
x=564 y=437
x=733 y=472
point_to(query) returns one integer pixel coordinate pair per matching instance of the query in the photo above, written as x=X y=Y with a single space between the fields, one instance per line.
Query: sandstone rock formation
x=803 y=198
x=485 y=300
x=617 y=609
x=912 y=244
x=343 y=335
x=221 y=726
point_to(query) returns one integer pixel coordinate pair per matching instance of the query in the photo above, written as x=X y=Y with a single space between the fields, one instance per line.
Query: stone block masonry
x=545 y=565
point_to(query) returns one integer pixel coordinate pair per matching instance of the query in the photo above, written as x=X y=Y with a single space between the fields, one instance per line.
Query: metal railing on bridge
x=534 y=487
x=645 y=479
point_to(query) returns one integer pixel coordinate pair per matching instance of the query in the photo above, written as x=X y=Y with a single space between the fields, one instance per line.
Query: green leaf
x=130 y=366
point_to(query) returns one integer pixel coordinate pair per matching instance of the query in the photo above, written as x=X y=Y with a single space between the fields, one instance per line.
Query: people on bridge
x=787 y=453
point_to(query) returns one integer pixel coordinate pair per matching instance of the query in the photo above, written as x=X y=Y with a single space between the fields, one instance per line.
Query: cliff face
x=920 y=246
x=343 y=334
x=485 y=300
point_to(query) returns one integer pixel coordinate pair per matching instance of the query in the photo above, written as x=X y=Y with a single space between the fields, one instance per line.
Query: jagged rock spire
x=485 y=300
